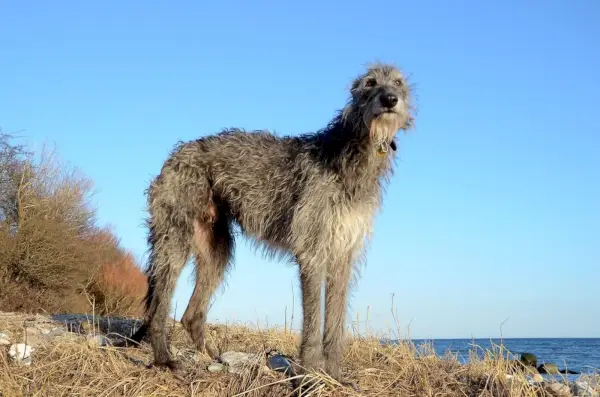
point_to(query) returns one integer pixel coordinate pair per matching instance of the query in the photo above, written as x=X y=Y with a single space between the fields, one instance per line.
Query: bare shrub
x=53 y=257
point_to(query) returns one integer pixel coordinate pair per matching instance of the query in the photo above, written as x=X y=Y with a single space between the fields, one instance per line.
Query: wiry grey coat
x=312 y=196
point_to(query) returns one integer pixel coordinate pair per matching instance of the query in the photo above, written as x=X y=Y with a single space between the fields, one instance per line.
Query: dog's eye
x=398 y=82
x=370 y=83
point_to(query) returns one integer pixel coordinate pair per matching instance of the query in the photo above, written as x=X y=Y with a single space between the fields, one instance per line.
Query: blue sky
x=494 y=211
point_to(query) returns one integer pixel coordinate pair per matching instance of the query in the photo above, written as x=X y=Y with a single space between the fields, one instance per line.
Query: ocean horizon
x=576 y=354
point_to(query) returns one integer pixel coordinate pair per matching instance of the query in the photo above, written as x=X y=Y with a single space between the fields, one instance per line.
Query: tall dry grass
x=69 y=367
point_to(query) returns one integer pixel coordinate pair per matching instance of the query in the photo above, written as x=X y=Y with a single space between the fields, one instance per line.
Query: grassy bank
x=68 y=365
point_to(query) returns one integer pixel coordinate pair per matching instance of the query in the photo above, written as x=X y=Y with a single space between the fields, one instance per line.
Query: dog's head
x=380 y=102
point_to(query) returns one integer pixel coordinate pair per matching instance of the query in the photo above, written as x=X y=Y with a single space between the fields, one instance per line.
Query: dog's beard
x=384 y=127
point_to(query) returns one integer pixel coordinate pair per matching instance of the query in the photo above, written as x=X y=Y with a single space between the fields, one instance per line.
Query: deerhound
x=311 y=197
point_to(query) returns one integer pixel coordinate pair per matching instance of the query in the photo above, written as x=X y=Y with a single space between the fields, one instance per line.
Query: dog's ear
x=354 y=86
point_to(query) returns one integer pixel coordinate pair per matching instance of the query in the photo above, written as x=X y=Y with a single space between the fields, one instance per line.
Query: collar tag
x=382 y=149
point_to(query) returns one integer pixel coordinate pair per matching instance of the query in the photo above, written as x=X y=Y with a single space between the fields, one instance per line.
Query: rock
x=70 y=336
x=33 y=336
x=32 y=331
x=568 y=371
x=548 y=368
x=97 y=340
x=238 y=362
x=583 y=389
x=58 y=331
x=192 y=355
x=529 y=359
x=558 y=389
x=279 y=362
x=86 y=324
x=20 y=352
x=216 y=367
x=4 y=339
x=537 y=378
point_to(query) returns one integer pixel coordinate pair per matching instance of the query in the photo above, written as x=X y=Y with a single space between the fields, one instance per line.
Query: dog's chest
x=350 y=224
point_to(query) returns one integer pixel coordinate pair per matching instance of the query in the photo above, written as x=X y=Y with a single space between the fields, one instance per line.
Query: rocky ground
x=73 y=355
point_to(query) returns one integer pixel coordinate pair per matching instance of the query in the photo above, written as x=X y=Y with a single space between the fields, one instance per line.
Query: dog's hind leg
x=170 y=247
x=213 y=245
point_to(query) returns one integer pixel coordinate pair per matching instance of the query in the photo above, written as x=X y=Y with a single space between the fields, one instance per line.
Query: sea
x=577 y=354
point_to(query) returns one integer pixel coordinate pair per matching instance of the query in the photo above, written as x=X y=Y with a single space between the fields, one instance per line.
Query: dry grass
x=68 y=367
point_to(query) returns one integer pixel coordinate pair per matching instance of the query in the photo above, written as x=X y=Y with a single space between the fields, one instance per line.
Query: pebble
x=20 y=352
x=4 y=339
x=536 y=378
x=558 y=389
x=238 y=362
x=216 y=367
x=58 y=331
x=280 y=363
x=96 y=340
x=583 y=389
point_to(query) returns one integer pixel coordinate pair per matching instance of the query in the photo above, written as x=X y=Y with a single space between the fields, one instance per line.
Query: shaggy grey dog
x=311 y=197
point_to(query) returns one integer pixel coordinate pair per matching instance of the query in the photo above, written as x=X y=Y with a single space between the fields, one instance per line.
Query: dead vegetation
x=53 y=256
x=68 y=367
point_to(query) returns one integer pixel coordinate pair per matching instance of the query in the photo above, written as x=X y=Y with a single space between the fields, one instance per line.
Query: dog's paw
x=172 y=365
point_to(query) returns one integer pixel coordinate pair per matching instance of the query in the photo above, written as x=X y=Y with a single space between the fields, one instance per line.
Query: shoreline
x=61 y=348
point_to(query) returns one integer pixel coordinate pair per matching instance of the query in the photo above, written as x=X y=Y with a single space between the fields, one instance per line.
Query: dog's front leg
x=311 y=279
x=336 y=293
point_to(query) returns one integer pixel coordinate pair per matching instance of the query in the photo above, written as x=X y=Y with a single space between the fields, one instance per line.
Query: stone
x=97 y=340
x=4 y=339
x=20 y=352
x=536 y=378
x=238 y=362
x=558 y=389
x=216 y=367
x=70 y=336
x=58 y=331
x=33 y=336
x=583 y=389
x=529 y=359
x=515 y=366
x=32 y=331
x=568 y=371
x=26 y=361
x=548 y=368
x=280 y=363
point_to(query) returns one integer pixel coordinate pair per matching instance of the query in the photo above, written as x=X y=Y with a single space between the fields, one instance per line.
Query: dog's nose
x=389 y=100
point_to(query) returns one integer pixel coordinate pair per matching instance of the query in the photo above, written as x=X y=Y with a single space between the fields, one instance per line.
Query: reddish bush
x=119 y=284
x=53 y=258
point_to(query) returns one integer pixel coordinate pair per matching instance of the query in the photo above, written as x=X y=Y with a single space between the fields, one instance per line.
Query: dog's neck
x=349 y=149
